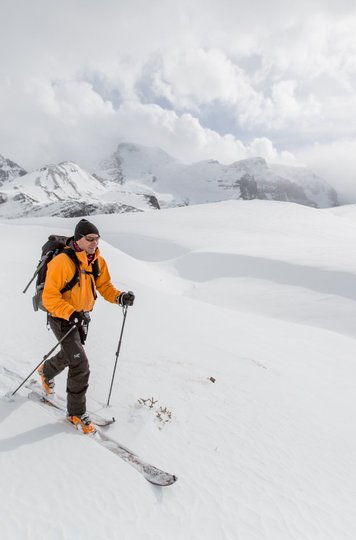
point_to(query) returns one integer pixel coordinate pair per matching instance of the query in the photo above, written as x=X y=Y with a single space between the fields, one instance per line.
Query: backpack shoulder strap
x=75 y=279
x=96 y=269
x=95 y=272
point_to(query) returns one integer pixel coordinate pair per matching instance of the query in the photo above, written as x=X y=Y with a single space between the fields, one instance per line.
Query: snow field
x=258 y=296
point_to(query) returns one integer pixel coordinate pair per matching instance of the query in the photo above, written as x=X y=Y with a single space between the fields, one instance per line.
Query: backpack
x=55 y=245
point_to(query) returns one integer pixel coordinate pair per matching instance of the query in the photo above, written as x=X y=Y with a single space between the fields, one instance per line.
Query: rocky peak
x=9 y=170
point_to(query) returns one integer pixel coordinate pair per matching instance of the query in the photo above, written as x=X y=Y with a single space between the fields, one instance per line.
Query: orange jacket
x=60 y=271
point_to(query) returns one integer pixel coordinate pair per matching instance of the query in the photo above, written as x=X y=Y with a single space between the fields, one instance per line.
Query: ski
x=151 y=473
x=55 y=400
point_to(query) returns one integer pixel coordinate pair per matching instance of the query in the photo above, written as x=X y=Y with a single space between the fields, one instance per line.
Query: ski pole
x=117 y=353
x=45 y=358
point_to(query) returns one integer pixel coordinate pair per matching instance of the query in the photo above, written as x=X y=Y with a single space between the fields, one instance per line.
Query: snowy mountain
x=137 y=178
x=9 y=170
x=176 y=183
x=244 y=330
x=315 y=188
x=67 y=190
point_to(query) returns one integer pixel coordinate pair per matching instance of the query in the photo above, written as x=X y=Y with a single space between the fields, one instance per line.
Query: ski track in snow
x=266 y=452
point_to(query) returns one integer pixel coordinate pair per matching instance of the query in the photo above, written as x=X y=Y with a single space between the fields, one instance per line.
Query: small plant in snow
x=151 y=402
x=162 y=414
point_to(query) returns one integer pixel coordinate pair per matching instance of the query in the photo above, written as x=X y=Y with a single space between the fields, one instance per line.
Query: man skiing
x=70 y=308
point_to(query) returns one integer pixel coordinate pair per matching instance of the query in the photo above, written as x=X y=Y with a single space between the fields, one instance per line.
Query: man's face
x=89 y=243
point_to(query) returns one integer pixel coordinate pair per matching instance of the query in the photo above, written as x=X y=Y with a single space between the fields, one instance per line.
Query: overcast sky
x=222 y=79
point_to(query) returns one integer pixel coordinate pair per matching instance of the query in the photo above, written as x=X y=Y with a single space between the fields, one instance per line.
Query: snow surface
x=259 y=296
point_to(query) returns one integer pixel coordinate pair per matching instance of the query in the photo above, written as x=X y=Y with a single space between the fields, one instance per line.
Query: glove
x=126 y=298
x=79 y=318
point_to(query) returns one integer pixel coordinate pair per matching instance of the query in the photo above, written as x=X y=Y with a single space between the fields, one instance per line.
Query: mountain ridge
x=211 y=181
x=65 y=189
x=9 y=170
x=139 y=178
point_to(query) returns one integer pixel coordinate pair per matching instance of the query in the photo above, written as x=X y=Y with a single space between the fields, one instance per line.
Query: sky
x=207 y=79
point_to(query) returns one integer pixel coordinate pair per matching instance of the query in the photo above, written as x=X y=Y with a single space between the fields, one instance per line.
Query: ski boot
x=83 y=423
x=47 y=384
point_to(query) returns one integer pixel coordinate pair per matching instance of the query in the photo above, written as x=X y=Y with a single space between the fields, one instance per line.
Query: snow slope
x=259 y=297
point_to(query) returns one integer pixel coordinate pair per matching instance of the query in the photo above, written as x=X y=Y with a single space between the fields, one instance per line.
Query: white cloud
x=191 y=78
x=79 y=77
x=336 y=159
x=184 y=137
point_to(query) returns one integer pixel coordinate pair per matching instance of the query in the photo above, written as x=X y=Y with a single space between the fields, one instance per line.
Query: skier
x=71 y=308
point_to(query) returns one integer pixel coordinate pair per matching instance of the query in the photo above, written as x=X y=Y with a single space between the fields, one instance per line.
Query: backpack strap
x=95 y=272
x=96 y=269
x=75 y=279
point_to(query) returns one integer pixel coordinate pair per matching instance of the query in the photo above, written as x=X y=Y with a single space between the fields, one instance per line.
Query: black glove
x=126 y=298
x=79 y=318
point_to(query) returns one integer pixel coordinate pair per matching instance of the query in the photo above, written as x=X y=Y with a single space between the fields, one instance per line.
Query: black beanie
x=83 y=228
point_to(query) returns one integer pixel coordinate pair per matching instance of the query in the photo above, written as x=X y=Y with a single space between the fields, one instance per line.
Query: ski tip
x=167 y=480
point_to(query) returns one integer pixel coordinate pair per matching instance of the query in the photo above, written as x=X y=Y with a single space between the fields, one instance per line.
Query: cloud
x=79 y=77
x=184 y=137
x=191 y=78
x=334 y=160
x=71 y=121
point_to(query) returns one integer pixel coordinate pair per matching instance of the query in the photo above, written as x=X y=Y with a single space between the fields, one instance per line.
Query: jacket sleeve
x=104 y=284
x=59 y=272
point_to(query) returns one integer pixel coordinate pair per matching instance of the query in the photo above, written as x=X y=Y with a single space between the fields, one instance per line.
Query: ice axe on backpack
x=40 y=265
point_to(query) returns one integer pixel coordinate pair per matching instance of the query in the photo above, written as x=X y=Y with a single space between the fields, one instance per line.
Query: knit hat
x=83 y=228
